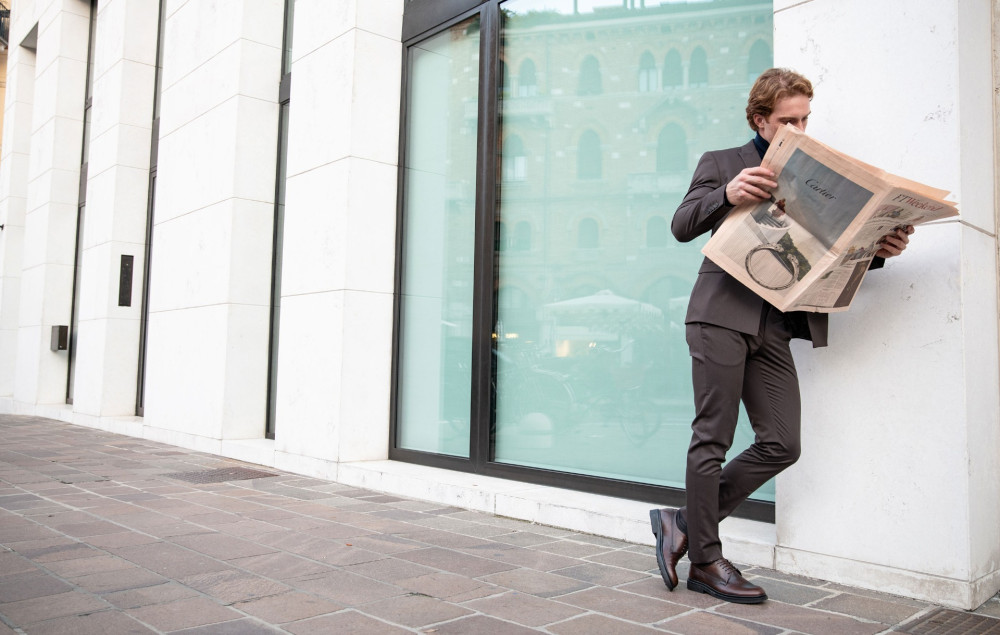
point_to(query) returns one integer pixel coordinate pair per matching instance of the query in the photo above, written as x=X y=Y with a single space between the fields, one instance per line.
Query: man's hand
x=893 y=244
x=752 y=185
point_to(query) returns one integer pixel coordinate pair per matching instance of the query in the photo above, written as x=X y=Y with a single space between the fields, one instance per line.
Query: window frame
x=423 y=19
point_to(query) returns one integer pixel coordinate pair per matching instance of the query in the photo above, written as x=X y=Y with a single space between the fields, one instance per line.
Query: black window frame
x=423 y=19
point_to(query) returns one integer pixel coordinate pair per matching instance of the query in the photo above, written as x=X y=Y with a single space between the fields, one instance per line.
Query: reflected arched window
x=673 y=73
x=760 y=60
x=588 y=156
x=504 y=79
x=514 y=161
x=698 y=72
x=527 y=83
x=590 y=77
x=522 y=236
x=656 y=232
x=671 y=149
x=647 y=73
x=587 y=234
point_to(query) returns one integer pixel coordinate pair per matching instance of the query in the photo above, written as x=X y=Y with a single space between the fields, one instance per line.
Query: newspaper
x=810 y=246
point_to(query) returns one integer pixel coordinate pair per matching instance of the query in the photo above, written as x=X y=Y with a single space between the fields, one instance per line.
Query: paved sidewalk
x=107 y=534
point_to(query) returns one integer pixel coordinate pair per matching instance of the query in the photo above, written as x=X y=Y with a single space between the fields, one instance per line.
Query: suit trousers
x=727 y=367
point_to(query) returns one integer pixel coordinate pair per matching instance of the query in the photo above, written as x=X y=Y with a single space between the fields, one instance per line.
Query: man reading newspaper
x=739 y=348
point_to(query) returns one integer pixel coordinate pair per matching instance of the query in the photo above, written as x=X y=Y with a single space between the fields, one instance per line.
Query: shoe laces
x=728 y=567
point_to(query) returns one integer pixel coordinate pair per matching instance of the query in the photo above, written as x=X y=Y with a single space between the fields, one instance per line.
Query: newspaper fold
x=809 y=247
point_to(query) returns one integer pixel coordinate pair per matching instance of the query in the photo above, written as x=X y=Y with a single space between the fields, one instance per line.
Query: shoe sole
x=654 y=520
x=701 y=587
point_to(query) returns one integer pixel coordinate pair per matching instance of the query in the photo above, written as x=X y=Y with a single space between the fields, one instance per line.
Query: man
x=739 y=348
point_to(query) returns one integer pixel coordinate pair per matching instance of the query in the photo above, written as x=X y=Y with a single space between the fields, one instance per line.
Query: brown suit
x=717 y=297
x=739 y=352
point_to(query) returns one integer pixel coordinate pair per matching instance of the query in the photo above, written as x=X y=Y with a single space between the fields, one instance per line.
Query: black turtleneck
x=761 y=145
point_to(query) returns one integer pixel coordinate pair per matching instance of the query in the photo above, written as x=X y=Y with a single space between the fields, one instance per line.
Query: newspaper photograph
x=809 y=247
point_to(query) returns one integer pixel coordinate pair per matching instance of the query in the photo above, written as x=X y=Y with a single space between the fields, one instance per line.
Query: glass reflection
x=612 y=105
x=439 y=245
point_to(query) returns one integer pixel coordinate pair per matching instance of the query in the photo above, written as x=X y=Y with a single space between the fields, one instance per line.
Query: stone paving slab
x=98 y=534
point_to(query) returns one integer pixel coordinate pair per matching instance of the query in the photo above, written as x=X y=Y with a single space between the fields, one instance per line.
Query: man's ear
x=759 y=120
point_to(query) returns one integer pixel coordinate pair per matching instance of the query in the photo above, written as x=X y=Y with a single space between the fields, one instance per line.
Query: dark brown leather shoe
x=722 y=580
x=671 y=543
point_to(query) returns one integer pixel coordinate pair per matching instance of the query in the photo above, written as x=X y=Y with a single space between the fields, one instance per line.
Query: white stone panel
x=8 y=370
x=344 y=92
x=123 y=95
x=381 y=18
x=63 y=34
x=121 y=145
x=376 y=98
x=106 y=366
x=53 y=187
x=50 y=236
x=46 y=291
x=116 y=206
x=17 y=132
x=314 y=258
x=206 y=371
x=10 y=291
x=310 y=375
x=319 y=22
x=30 y=363
x=197 y=31
x=229 y=151
x=57 y=145
x=243 y=68
x=365 y=390
x=59 y=90
x=370 y=226
x=320 y=123
x=14 y=176
x=126 y=30
x=216 y=255
x=340 y=228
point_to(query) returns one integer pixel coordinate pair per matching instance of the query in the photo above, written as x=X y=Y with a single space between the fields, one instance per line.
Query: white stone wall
x=897 y=488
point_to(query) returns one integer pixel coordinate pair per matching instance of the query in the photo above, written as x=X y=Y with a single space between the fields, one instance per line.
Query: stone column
x=53 y=186
x=897 y=487
x=339 y=242
x=206 y=369
x=115 y=220
x=14 y=161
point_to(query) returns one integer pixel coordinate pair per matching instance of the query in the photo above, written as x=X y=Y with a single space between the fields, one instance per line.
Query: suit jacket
x=717 y=297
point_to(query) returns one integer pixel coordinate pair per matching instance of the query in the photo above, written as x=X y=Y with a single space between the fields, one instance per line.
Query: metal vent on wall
x=220 y=475
x=947 y=622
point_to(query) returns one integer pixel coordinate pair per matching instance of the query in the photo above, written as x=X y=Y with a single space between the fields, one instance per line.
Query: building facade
x=422 y=246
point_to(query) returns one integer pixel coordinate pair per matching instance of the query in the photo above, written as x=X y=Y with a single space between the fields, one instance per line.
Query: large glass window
x=434 y=359
x=583 y=292
x=599 y=382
